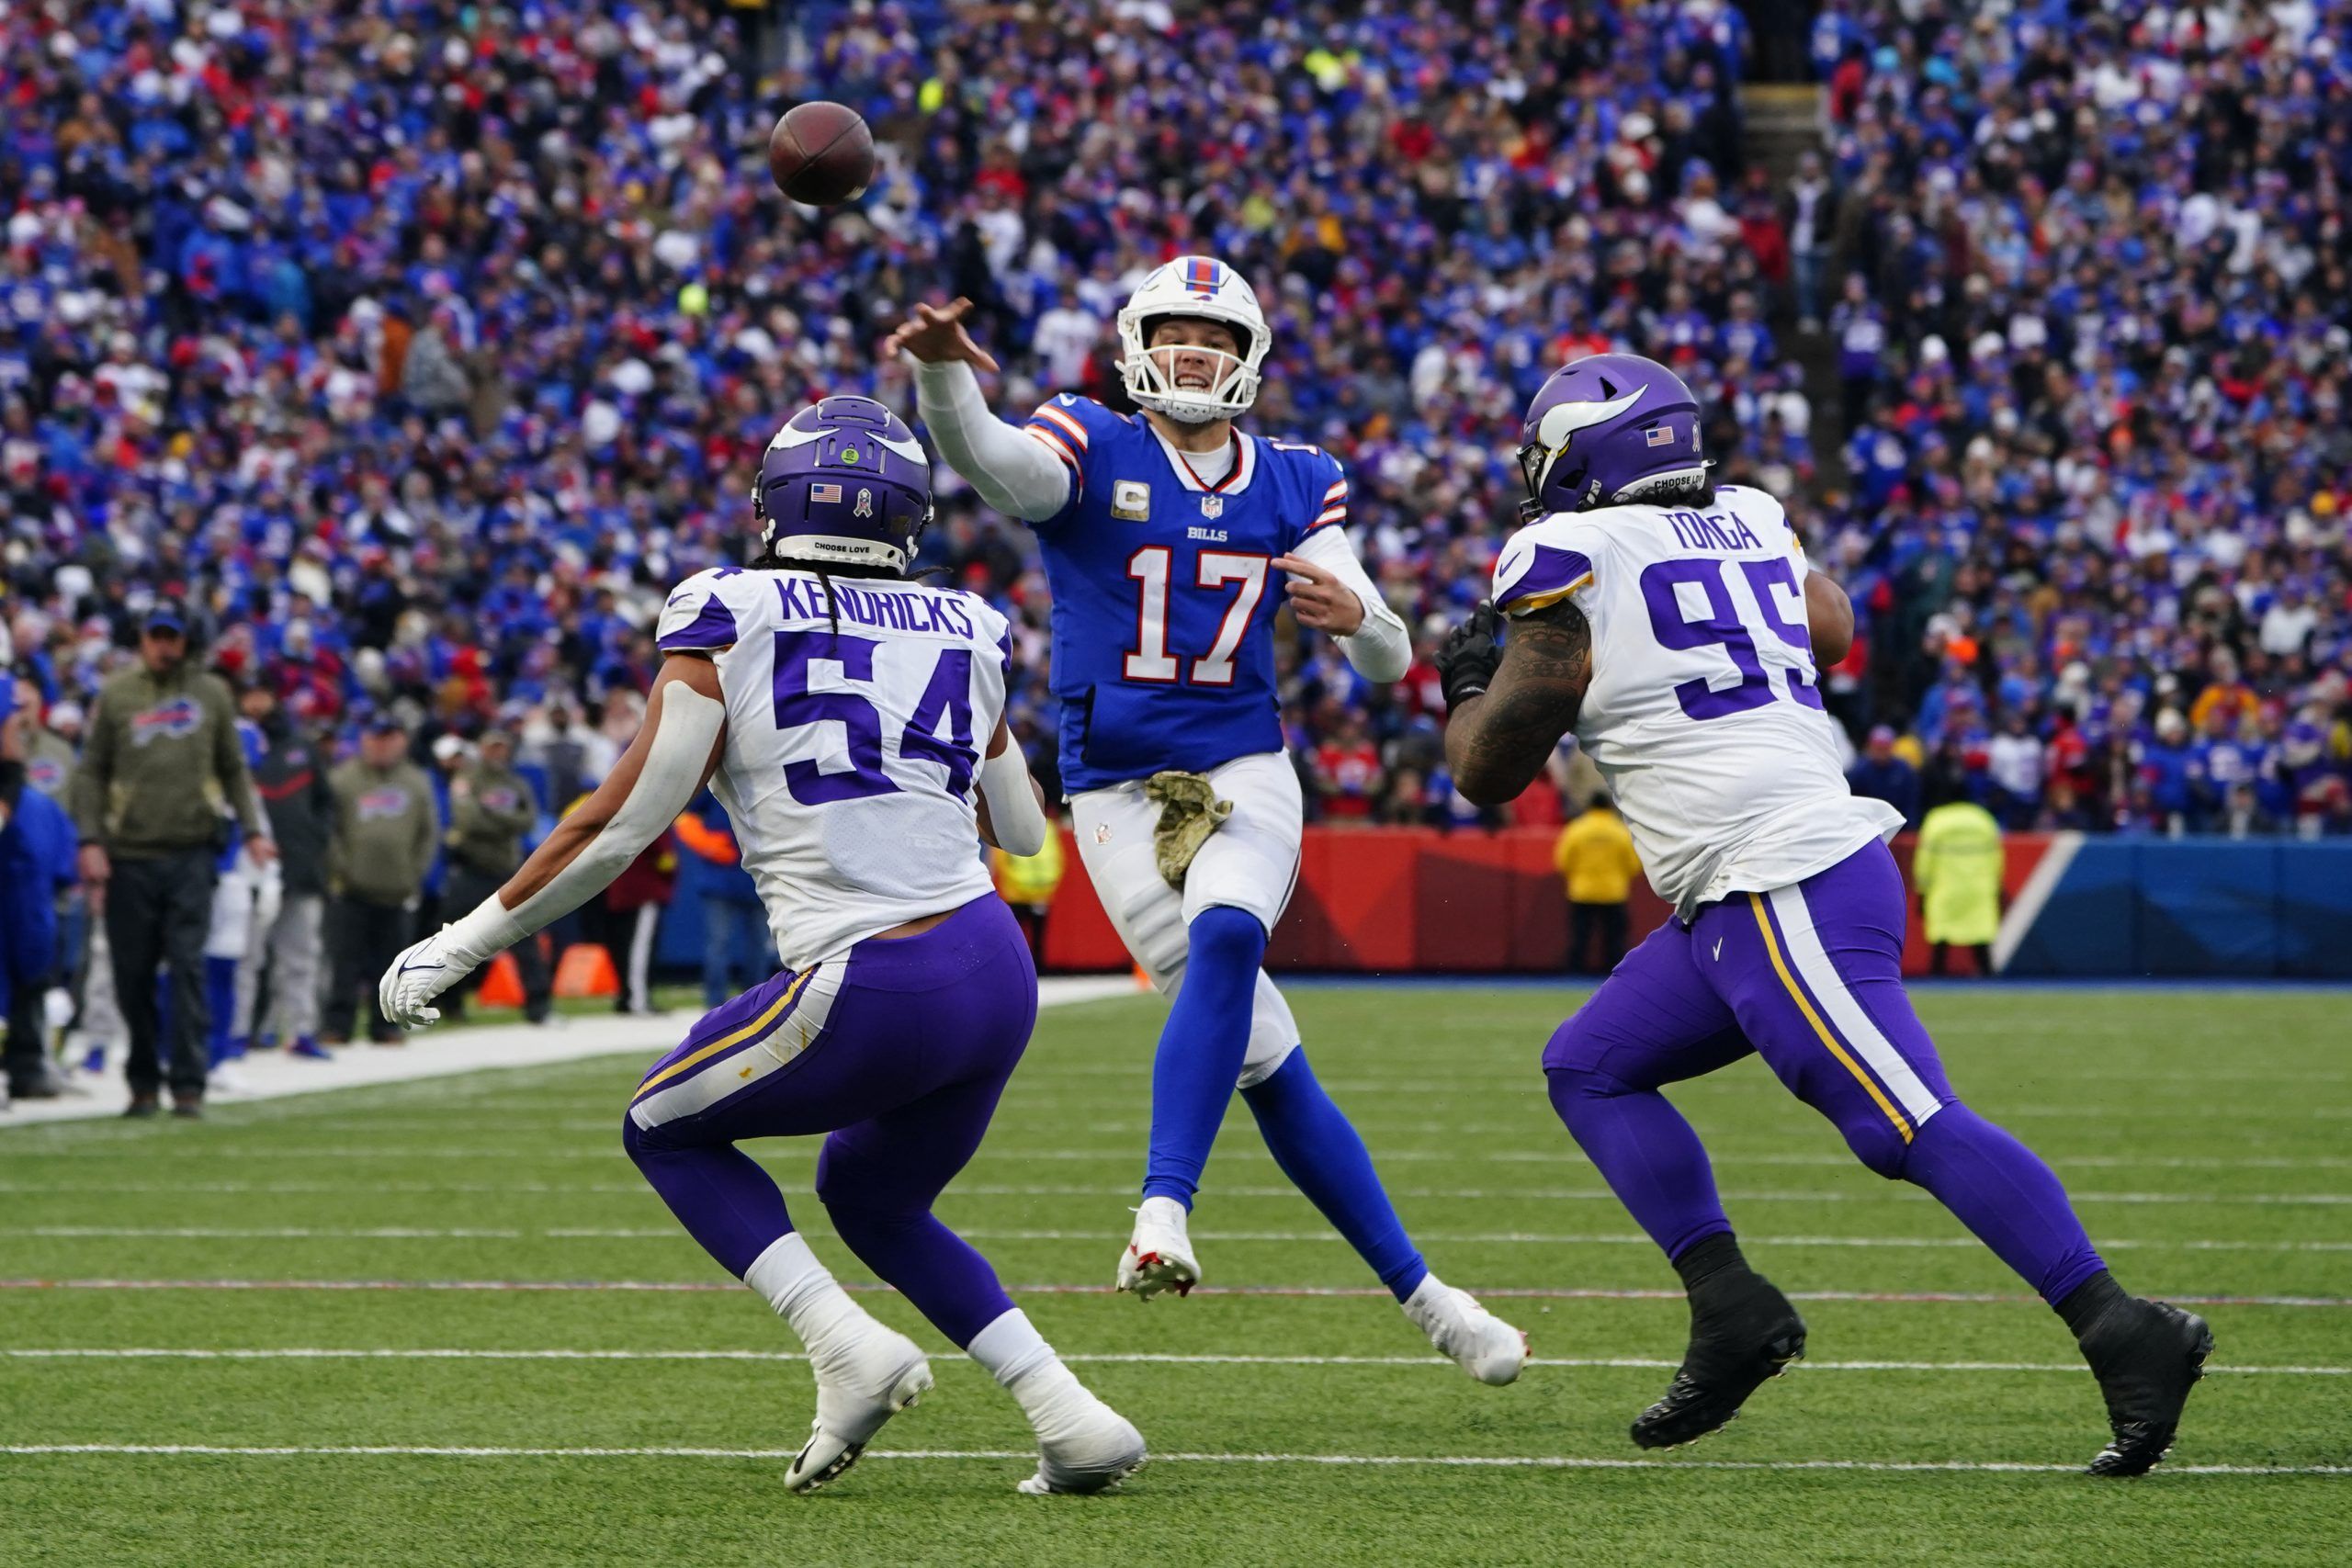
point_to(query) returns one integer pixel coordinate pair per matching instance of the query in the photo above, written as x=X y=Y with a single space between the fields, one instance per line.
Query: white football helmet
x=1206 y=287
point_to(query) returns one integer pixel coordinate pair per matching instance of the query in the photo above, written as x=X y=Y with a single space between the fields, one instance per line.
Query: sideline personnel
x=163 y=769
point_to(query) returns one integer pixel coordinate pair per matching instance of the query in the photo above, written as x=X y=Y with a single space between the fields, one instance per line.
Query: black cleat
x=1742 y=1330
x=142 y=1107
x=2147 y=1356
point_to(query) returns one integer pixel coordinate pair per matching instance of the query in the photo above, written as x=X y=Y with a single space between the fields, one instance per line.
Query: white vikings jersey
x=848 y=769
x=1704 y=713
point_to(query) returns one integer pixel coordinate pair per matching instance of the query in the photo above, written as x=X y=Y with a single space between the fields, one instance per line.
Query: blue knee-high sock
x=2002 y=1191
x=220 y=990
x=1318 y=1149
x=1202 y=1049
x=718 y=1192
x=1646 y=1153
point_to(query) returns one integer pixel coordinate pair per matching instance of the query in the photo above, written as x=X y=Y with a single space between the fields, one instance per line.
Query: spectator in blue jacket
x=37 y=863
x=1879 y=773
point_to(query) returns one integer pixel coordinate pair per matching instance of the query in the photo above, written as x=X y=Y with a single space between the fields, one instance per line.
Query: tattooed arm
x=1498 y=741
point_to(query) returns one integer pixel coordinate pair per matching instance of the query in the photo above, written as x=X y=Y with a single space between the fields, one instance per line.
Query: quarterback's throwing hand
x=1320 y=599
x=1471 y=652
x=935 y=335
x=418 y=975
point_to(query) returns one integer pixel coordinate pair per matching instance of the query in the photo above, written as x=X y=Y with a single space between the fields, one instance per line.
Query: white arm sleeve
x=1019 y=827
x=1013 y=473
x=1381 y=649
x=690 y=725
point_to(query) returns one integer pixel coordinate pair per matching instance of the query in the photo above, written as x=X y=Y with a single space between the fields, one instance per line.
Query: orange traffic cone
x=586 y=970
x=502 y=987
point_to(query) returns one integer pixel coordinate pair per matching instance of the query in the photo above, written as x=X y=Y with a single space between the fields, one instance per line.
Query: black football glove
x=1467 y=662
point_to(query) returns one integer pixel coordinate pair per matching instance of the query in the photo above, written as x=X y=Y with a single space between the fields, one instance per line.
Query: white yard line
x=672 y=1233
x=1505 y=1461
x=442 y=1052
x=808 y=1149
x=703 y=1287
x=1110 y=1358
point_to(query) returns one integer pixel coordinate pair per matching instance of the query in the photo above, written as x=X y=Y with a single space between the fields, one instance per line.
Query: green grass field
x=2206 y=1137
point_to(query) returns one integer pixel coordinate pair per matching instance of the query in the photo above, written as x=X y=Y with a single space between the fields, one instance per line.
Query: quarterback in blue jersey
x=1162 y=533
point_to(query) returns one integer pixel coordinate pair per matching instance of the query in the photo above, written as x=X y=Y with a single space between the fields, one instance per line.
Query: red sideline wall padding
x=1392 y=900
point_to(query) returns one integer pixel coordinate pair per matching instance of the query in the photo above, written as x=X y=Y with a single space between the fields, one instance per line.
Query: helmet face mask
x=845 y=483
x=1198 y=288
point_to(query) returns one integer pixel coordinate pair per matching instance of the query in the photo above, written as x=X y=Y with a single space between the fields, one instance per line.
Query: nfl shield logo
x=1212 y=506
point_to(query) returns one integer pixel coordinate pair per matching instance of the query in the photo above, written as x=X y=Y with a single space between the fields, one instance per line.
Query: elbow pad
x=1020 y=826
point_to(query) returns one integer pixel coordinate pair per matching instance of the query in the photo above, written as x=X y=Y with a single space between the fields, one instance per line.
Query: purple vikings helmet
x=1612 y=428
x=844 y=483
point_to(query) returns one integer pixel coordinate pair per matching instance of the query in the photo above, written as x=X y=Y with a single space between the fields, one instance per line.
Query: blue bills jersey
x=1163 y=592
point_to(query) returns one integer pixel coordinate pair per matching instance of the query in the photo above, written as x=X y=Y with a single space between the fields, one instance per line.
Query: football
x=821 y=154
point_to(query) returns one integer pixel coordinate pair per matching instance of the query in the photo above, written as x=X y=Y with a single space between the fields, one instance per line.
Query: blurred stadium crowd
x=422 y=348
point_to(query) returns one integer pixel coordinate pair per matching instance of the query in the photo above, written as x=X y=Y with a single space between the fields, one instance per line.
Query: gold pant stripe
x=1772 y=948
x=775 y=1009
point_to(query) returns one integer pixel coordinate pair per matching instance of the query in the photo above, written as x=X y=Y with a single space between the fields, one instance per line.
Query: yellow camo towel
x=1189 y=812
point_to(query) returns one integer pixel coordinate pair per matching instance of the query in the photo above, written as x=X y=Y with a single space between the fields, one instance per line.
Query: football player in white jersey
x=1674 y=625
x=845 y=717
x=1160 y=532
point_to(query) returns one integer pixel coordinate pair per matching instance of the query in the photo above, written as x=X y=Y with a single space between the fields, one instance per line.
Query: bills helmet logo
x=177 y=718
x=499 y=799
x=377 y=804
x=46 y=775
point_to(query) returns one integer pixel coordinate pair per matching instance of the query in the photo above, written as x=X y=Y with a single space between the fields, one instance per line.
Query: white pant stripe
x=699 y=1091
x=1846 y=1014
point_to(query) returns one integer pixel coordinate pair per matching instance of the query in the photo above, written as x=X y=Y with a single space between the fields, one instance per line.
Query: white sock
x=1017 y=1356
x=1427 y=1297
x=1167 y=1211
x=803 y=1291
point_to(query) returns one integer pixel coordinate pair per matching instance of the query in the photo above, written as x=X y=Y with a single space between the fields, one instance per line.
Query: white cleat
x=858 y=1389
x=1092 y=1452
x=1481 y=1344
x=1160 y=1254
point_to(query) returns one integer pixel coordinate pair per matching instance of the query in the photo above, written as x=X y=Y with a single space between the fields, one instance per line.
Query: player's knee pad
x=1273 y=1034
x=1878 y=1144
x=637 y=1142
x=858 y=1197
x=1577 y=1045
x=1570 y=1086
x=1226 y=940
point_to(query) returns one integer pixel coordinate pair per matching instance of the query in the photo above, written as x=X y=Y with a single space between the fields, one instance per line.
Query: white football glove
x=419 y=974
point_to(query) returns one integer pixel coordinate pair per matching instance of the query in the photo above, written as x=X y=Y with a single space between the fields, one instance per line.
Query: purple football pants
x=898 y=1053
x=1810 y=977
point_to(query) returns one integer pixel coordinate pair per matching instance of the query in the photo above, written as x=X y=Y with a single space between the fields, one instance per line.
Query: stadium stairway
x=1783 y=122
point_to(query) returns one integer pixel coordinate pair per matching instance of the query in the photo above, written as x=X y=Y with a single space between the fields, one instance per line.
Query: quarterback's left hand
x=1320 y=600
x=418 y=975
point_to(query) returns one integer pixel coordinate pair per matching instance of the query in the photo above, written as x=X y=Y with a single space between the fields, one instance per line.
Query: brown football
x=821 y=154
